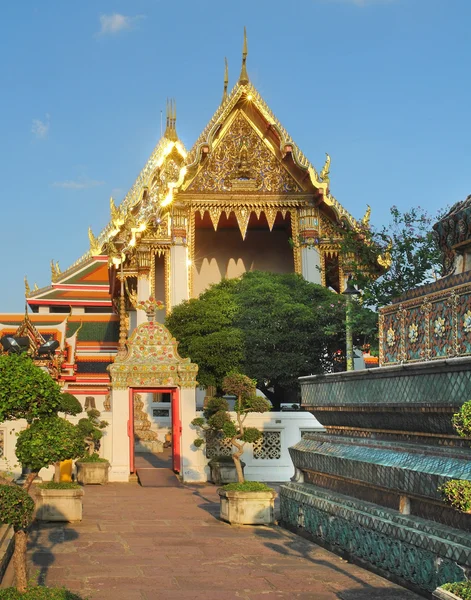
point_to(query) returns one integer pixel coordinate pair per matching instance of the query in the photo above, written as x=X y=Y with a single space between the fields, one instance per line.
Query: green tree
x=406 y=247
x=273 y=327
x=27 y=392
x=217 y=419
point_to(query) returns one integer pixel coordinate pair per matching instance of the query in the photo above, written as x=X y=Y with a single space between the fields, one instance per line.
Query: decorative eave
x=247 y=91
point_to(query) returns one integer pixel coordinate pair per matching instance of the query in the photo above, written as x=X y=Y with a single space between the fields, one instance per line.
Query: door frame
x=176 y=423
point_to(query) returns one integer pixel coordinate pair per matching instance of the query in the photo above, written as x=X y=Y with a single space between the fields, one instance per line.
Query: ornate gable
x=243 y=162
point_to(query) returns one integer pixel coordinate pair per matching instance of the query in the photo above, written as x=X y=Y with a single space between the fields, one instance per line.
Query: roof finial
x=171 y=131
x=226 y=81
x=244 y=78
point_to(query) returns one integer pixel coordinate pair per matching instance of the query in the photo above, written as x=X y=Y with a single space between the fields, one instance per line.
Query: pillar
x=178 y=274
x=193 y=459
x=119 y=459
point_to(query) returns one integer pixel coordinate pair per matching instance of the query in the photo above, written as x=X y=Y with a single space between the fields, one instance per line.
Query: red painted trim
x=69 y=302
x=176 y=431
x=131 y=430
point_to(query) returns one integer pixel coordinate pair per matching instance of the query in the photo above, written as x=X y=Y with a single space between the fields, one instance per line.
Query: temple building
x=244 y=197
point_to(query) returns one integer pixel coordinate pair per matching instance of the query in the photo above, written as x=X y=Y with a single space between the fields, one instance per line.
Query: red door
x=176 y=425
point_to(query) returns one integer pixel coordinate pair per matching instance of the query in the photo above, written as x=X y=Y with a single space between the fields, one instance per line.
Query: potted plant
x=27 y=392
x=223 y=470
x=457 y=493
x=91 y=469
x=242 y=502
x=45 y=442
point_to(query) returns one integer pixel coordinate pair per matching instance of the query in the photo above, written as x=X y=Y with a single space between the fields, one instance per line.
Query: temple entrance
x=155 y=435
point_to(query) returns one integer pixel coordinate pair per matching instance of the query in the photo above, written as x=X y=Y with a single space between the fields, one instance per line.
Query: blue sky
x=382 y=85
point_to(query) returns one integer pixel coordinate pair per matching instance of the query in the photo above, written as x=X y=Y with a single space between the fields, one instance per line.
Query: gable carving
x=243 y=163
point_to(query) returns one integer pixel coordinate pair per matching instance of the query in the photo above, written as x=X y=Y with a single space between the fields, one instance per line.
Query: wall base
x=412 y=551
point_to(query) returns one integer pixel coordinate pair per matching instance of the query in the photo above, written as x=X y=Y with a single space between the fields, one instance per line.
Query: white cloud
x=115 y=23
x=78 y=184
x=39 y=128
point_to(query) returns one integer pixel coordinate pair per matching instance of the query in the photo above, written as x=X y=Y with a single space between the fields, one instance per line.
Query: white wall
x=290 y=425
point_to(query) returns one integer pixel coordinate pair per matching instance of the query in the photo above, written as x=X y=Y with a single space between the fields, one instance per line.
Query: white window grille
x=268 y=446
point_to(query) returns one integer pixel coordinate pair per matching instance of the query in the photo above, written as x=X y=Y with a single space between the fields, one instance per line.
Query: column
x=193 y=459
x=119 y=470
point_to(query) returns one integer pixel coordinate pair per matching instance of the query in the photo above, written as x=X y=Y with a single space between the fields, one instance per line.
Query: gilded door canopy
x=152 y=360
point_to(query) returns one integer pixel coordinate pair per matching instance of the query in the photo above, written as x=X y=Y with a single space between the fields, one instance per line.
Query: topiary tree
x=47 y=442
x=17 y=509
x=217 y=419
x=91 y=430
x=27 y=392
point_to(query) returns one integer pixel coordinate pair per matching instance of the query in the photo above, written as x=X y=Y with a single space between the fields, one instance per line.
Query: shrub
x=461 y=589
x=247 y=486
x=59 y=485
x=462 y=420
x=39 y=593
x=457 y=492
x=48 y=441
x=16 y=507
x=92 y=458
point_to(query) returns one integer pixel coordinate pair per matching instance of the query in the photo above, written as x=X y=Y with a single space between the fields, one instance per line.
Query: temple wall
x=368 y=487
x=224 y=253
x=430 y=322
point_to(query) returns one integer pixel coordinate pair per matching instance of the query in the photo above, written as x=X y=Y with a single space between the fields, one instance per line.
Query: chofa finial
x=244 y=78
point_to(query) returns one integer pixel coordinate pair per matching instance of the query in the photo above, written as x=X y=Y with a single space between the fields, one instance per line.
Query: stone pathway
x=139 y=543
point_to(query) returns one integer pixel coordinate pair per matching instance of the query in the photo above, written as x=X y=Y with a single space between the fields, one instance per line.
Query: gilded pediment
x=243 y=162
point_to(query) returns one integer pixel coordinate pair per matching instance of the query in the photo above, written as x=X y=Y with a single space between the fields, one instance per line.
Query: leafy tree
x=273 y=327
x=217 y=419
x=406 y=247
x=90 y=429
x=27 y=392
x=206 y=331
x=47 y=442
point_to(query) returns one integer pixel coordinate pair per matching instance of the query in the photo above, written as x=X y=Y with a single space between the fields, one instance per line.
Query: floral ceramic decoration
x=150 y=305
x=413 y=333
x=467 y=321
x=439 y=326
x=390 y=337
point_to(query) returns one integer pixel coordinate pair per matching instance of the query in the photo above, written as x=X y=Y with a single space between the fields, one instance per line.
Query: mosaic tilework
x=443 y=383
x=402 y=468
x=414 y=549
x=433 y=326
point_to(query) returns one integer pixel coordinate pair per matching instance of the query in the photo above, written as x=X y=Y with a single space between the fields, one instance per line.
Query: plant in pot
x=242 y=502
x=457 y=493
x=222 y=467
x=27 y=392
x=91 y=469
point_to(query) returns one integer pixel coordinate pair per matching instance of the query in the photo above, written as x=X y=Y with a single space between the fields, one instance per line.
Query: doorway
x=154 y=431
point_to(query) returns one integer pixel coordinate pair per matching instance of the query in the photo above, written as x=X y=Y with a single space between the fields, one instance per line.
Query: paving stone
x=150 y=544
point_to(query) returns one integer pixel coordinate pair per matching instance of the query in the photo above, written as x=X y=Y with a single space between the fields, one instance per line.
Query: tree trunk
x=29 y=480
x=238 y=466
x=19 y=560
x=57 y=472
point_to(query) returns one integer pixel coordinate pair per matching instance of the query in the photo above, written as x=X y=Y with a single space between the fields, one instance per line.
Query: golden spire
x=226 y=81
x=366 y=218
x=171 y=130
x=27 y=288
x=244 y=78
